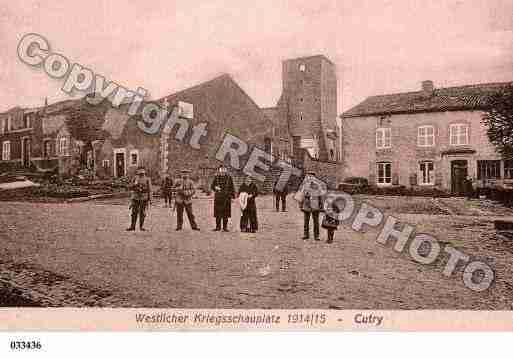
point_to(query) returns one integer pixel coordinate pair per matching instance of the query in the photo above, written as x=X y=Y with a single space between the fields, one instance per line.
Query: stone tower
x=309 y=105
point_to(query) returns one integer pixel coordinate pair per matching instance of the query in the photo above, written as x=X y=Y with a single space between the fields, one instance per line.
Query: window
x=384 y=173
x=459 y=134
x=2 y=125
x=47 y=148
x=426 y=136
x=105 y=163
x=63 y=146
x=6 y=151
x=300 y=116
x=426 y=175
x=26 y=120
x=488 y=169
x=134 y=158
x=383 y=138
x=508 y=169
x=302 y=67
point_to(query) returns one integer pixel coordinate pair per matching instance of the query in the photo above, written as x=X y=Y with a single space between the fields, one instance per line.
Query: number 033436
x=25 y=345
x=307 y=318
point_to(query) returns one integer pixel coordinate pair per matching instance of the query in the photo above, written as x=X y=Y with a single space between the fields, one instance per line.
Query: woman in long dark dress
x=249 y=220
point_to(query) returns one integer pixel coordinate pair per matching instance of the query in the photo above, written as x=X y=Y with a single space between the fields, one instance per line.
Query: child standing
x=330 y=221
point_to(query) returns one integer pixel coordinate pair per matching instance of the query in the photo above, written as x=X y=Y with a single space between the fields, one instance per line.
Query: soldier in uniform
x=140 y=199
x=184 y=188
x=224 y=193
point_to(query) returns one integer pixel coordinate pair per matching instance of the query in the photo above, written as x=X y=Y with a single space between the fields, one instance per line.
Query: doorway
x=25 y=150
x=459 y=172
x=120 y=164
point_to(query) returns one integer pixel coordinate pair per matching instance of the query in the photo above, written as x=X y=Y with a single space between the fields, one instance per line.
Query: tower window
x=302 y=67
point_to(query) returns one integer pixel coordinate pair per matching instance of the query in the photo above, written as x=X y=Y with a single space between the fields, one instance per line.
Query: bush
x=403 y=191
x=502 y=195
x=59 y=191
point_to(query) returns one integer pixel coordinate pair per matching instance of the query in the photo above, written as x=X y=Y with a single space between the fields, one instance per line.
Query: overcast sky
x=165 y=46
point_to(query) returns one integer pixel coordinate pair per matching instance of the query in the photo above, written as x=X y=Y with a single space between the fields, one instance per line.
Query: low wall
x=329 y=172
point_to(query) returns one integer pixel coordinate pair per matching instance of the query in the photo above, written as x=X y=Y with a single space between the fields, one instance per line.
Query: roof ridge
x=217 y=78
x=464 y=97
x=484 y=84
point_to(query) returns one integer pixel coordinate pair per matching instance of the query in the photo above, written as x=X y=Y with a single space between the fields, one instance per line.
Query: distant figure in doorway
x=469 y=187
x=224 y=192
x=248 y=220
x=140 y=199
x=280 y=194
x=184 y=192
x=167 y=190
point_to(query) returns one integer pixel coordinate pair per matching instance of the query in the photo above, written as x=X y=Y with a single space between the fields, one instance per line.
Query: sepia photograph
x=342 y=165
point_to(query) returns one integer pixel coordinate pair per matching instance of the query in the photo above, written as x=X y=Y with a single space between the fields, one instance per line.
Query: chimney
x=428 y=87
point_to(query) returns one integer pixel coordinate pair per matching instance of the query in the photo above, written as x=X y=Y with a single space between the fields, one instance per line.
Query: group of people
x=312 y=203
x=178 y=195
x=141 y=196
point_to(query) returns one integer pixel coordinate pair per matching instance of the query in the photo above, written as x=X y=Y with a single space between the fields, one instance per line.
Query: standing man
x=184 y=191
x=311 y=205
x=280 y=195
x=140 y=198
x=167 y=190
x=224 y=193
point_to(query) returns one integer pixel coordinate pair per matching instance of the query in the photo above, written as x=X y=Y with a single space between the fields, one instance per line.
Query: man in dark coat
x=280 y=195
x=224 y=192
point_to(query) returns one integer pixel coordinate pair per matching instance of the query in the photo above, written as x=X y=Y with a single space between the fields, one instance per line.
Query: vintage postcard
x=268 y=165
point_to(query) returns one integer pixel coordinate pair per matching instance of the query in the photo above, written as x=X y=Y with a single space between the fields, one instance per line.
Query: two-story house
x=429 y=138
x=37 y=139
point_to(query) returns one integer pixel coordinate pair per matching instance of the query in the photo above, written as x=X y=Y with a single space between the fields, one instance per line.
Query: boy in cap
x=184 y=188
x=140 y=198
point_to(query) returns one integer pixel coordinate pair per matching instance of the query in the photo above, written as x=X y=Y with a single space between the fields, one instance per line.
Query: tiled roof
x=471 y=97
